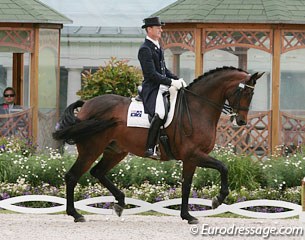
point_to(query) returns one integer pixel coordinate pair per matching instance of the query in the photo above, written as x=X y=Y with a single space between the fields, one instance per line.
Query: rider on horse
x=157 y=80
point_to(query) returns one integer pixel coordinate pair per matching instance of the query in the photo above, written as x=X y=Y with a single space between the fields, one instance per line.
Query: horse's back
x=113 y=108
x=110 y=105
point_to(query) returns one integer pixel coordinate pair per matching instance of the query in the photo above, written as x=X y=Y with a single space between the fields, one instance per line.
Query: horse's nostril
x=241 y=122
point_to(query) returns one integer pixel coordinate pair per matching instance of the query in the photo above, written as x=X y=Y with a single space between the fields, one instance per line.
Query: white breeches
x=160 y=109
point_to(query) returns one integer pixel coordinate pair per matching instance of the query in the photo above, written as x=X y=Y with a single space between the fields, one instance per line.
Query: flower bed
x=26 y=170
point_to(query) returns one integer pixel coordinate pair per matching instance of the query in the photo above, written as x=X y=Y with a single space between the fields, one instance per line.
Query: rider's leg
x=153 y=133
x=155 y=124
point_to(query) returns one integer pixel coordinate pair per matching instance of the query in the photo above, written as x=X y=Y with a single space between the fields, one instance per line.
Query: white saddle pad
x=137 y=118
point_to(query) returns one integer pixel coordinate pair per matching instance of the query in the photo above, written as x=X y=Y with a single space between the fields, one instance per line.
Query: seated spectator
x=9 y=101
x=8 y=125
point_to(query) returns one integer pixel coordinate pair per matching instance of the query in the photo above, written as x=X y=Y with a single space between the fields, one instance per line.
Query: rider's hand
x=183 y=82
x=177 y=83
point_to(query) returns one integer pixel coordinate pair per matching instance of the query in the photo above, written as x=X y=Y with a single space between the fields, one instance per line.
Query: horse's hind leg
x=111 y=157
x=71 y=178
x=81 y=165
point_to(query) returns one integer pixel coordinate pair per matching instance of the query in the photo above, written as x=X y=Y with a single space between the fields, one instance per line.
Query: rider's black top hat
x=153 y=21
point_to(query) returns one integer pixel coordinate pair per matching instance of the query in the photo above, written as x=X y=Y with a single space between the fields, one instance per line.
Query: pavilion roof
x=29 y=11
x=234 y=11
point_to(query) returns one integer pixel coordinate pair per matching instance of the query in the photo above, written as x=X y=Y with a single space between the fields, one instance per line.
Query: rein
x=183 y=107
x=215 y=105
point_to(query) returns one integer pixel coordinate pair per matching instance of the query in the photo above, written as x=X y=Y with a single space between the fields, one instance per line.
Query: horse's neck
x=209 y=93
x=207 y=101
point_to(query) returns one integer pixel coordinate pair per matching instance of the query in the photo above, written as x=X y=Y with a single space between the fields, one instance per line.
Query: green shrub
x=48 y=166
x=6 y=169
x=116 y=77
x=11 y=148
x=16 y=144
x=136 y=170
x=242 y=171
x=281 y=172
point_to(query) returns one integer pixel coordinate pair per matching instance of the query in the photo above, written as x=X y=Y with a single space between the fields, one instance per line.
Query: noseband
x=237 y=94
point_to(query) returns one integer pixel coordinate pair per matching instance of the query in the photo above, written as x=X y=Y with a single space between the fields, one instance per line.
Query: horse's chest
x=207 y=136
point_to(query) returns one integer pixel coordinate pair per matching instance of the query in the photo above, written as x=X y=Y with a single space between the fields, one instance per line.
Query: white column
x=74 y=84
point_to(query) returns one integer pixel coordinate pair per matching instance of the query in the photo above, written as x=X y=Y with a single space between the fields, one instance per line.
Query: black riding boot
x=153 y=133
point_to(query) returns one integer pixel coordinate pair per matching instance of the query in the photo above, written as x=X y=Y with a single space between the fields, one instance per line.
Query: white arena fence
x=140 y=206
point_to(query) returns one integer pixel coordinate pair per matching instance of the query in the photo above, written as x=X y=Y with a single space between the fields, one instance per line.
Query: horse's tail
x=72 y=130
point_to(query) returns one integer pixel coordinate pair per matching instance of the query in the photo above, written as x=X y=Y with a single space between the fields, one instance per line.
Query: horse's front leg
x=187 y=177
x=210 y=162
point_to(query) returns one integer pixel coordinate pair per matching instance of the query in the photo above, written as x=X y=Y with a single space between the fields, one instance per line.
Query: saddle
x=137 y=118
x=166 y=101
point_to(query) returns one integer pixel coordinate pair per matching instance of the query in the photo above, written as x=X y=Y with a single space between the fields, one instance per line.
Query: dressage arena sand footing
x=139 y=227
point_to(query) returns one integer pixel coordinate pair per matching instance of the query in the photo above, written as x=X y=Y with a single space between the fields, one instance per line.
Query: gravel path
x=136 y=227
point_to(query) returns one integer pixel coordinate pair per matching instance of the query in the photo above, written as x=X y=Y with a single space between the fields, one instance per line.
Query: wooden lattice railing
x=223 y=38
x=251 y=139
x=292 y=40
x=293 y=131
x=21 y=38
x=17 y=124
x=179 y=38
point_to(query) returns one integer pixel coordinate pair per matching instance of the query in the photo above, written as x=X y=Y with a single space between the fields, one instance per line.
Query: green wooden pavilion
x=30 y=35
x=264 y=35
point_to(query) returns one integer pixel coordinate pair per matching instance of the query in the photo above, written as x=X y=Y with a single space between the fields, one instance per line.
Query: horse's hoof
x=190 y=219
x=193 y=221
x=118 y=209
x=80 y=219
x=215 y=202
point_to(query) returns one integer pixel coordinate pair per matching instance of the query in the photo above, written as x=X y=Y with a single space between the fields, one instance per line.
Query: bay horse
x=100 y=128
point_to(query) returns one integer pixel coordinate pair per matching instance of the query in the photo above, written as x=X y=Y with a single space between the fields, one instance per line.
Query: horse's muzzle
x=240 y=120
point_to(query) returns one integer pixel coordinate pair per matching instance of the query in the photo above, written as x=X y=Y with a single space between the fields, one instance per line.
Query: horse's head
x=241 y=96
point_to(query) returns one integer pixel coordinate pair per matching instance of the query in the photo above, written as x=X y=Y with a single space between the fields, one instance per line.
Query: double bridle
x=226 y=108
x=237 y=94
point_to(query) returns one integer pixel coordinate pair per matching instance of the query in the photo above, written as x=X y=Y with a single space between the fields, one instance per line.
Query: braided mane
x=216 y=70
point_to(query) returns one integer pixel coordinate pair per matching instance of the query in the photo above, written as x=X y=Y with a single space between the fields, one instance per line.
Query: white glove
x=183 y=82
x=177 y=83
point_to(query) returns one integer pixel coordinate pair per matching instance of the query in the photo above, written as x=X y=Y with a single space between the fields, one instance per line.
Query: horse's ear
x=254 y=75
x=257 y=75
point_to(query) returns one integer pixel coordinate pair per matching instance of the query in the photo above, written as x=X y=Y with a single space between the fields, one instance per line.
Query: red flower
x=5 y=106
